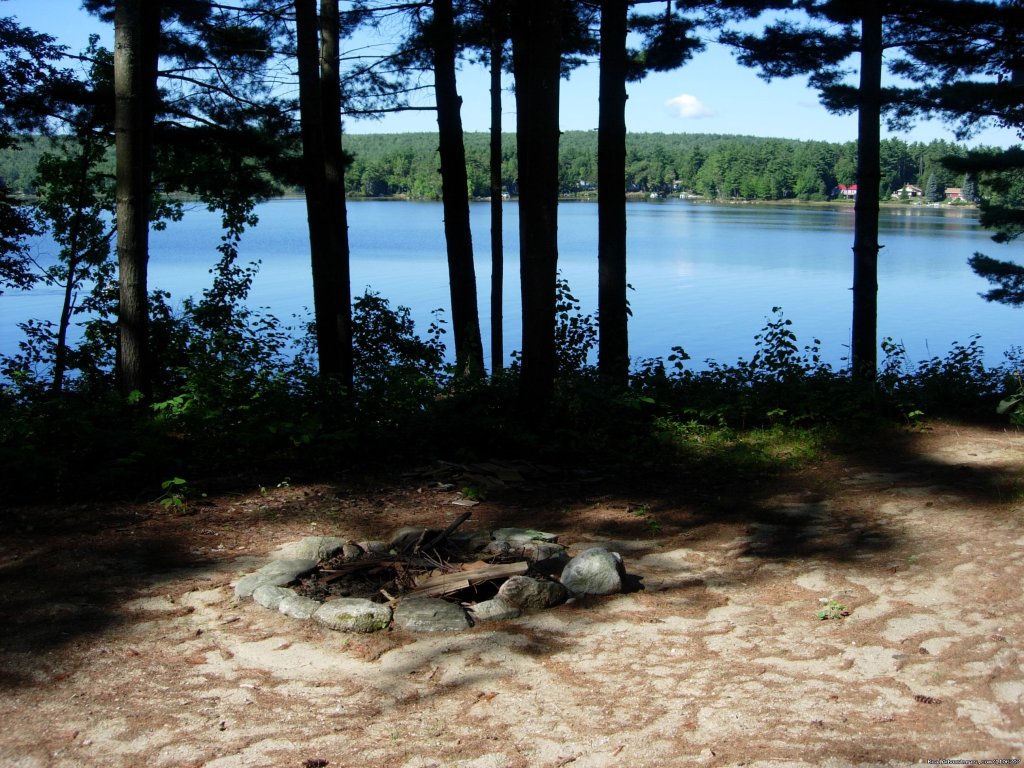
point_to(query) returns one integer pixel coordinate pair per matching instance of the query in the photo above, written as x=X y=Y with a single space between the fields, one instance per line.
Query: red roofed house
x=848 y=191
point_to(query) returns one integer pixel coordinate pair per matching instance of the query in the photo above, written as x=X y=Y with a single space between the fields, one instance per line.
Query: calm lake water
x=705 y=276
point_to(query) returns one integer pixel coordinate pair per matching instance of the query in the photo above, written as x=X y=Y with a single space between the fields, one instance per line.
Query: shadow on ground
x=65 y=573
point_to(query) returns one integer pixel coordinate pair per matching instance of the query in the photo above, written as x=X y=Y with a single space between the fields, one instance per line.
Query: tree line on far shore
x=713 y=166
x=709 y=165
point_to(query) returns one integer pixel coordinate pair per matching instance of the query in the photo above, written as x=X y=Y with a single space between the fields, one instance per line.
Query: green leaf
x=1007 y=405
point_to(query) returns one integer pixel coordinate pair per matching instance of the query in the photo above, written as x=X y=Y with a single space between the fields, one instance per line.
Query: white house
x=908 y=190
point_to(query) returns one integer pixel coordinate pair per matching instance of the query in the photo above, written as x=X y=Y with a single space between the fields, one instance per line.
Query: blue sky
x=710 y=94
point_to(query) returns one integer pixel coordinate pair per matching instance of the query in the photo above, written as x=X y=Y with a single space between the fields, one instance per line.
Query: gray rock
x=502 y=549
x=246 y=586
x=526 y=593
x=270 y=596
x=276 y=573
x=430 y=615
x=540 y=550
x=406 y=538
x=522 y=535
x=292 y=567
x=374 y=547
x=594 y=571
x=316 y=547
x=299 y=607
x=472 y=541
x=497 y=609
x=352 y=551
x=353 y=615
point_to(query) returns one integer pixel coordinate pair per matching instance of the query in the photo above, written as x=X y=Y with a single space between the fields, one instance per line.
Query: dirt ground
x=122 y=645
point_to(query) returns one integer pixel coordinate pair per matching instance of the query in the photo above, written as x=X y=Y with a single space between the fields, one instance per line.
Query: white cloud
x=689 y=107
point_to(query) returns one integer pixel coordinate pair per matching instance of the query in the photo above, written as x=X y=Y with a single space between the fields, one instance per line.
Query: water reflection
x=705 y=276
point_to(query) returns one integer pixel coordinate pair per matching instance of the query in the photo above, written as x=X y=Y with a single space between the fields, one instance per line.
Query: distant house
x=847 y=191
x=954 y=193
x=908 y=190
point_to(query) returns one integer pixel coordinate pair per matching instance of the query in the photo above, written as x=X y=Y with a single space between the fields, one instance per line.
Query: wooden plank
x=438 y=584
x=446 y=584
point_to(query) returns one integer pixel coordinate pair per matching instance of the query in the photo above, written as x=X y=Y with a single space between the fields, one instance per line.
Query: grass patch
x=773 y=449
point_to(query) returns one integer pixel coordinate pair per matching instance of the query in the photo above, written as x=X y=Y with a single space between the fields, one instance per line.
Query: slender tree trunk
x=469 y=353
x=864 y=345
x=315 y=183
x=60 y=354
x=537 y=61
x=613 y=348
x=136 y=35
x=74 y=251
x=497 y=191
x=74 y=259
x=336 y=210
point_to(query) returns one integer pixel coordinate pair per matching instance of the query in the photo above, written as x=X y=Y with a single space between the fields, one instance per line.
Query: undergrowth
x=238 y=397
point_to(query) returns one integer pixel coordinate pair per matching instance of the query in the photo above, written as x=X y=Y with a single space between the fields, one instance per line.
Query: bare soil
x=122 y=645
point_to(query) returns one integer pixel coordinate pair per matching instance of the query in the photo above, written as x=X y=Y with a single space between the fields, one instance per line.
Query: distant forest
x=712 y=166
x=708 y=165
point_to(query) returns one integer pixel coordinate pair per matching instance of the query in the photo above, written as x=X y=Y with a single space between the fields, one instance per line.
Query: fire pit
x=429 y=579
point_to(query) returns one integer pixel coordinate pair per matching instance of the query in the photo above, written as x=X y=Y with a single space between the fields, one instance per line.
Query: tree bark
x=536 y=62
x=339 y=297
x=469 y=354
x=497 y=190
x=74 y=249
x=136 y=35
x=613 y=346
x=314 y=162
x=864 y=343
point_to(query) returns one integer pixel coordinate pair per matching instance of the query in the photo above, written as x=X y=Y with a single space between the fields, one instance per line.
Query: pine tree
x=537 y=28
x=972 y=63
x=28 y=67
x=668 y=43
x=817 y=46
x=198 y=122
x=969 y=188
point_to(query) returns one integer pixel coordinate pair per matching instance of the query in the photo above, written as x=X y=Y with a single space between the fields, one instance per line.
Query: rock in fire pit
x=427 y=580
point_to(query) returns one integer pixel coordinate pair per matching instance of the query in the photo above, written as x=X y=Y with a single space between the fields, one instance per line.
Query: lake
x=705 y=276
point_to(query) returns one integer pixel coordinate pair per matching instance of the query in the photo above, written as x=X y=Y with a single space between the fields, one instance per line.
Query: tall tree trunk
x=613 y=348
x=497 y=190
x=864 y=344
x=469 y=353
x=536 y=61
x=336 y=210
x=315 y=183
x=75 y=247
x=136 y=35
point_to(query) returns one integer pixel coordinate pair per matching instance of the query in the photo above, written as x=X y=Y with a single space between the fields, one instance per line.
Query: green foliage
x=1007 y=277
x=29 y=78
x=832 y=611
x=237 y=391
x=710 y=165
x=644 y=513
x=714 y=166
x=1014 y=388
x=473 y=493
x=784 y=384
x=395 y=369
x=175 y=493
x=958 y=383
x=575 y=333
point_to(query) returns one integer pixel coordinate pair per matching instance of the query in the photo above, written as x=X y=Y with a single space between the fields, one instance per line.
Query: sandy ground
x=122 y=644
